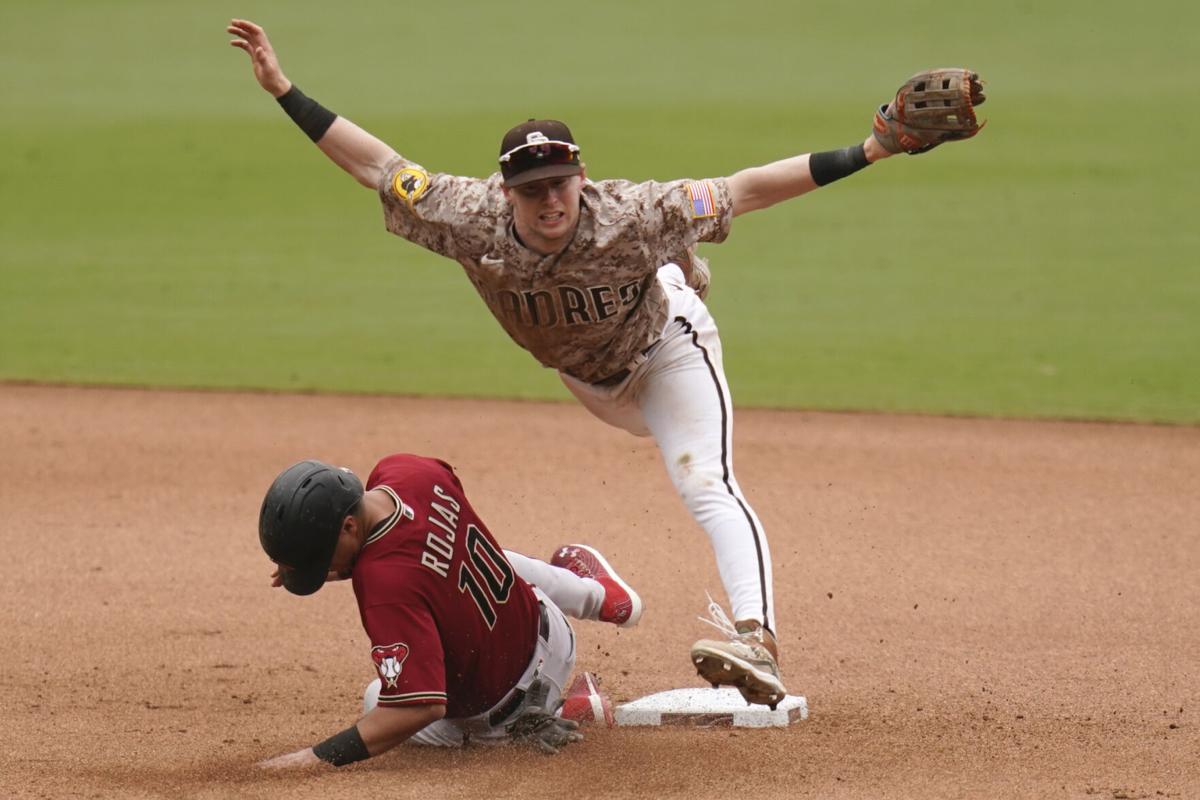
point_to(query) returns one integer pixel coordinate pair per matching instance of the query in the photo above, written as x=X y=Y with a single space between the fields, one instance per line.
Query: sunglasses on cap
x=536 y=154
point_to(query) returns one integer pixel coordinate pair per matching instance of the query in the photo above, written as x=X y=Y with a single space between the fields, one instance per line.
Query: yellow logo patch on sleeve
x=410 y=183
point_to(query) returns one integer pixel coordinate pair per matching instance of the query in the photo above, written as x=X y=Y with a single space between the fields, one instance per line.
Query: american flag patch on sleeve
x=701 y=195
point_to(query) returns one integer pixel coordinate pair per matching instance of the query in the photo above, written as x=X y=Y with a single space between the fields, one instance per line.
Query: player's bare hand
x=874 y=150
x=300 y=758
x=253 y=39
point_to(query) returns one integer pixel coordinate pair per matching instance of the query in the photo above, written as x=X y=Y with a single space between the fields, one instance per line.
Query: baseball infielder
x=599 y=281
x=465 y=648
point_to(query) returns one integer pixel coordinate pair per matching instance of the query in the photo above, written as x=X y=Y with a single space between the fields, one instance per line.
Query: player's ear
x=351 y=533
x=507 y=193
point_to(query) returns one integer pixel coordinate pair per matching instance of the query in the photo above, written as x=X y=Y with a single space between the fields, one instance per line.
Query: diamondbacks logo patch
x=410 y=183
x=389 y=660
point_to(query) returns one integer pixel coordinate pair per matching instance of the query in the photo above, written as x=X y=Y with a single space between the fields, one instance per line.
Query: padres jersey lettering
x=562 y=305
x=589 y=310
x=449 y=620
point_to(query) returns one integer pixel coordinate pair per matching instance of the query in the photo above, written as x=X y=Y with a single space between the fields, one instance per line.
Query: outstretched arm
x=380 y=730
x=347 y=145
x=762 y=187
x=931 y=108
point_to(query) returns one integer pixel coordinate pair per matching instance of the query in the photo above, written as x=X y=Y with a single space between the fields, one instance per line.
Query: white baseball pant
x=678 y=394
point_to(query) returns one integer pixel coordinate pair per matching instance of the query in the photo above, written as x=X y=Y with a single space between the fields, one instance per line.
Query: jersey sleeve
x=407 y=653
x=446 y=214
x=688 y=211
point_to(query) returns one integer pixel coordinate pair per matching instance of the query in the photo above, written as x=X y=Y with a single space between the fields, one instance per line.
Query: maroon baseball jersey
x=448 y=618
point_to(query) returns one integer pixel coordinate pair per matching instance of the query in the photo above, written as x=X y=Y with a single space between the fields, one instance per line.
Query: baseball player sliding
x=599 y=281
x=466 y=648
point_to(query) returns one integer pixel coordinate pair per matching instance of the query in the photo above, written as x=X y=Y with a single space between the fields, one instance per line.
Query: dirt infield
x=973 y=608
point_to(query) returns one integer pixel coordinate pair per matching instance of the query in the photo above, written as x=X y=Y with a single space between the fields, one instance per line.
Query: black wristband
x=312 y=117
x=827 y=167
x=342 y=748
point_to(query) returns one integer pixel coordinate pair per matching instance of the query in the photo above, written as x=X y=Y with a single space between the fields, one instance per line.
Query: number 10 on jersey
x=486 y=574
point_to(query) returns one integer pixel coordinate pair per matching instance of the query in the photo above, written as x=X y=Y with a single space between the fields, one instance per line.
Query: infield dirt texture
x=979 y=605
x=973 y=608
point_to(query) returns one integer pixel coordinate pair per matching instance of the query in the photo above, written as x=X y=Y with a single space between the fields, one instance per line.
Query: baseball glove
x=930 y=108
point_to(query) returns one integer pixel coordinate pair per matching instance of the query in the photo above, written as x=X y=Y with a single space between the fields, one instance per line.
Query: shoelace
x=720 y=620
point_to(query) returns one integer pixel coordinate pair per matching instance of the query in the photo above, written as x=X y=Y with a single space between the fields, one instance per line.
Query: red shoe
x=584 y=702
x=621 y=605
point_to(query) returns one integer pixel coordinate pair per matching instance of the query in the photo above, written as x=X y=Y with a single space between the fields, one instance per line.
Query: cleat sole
x=756 y=686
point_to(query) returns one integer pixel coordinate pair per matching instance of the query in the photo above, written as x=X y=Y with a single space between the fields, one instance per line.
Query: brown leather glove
x=930 y=108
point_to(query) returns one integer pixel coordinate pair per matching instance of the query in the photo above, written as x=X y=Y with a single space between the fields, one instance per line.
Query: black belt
x=614 y=379
x=619 y=375
x=509 y=708
x=543 y=621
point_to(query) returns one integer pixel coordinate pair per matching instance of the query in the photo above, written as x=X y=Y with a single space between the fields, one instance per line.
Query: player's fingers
x=248 y=26
x=977 y=95
x=248 y=33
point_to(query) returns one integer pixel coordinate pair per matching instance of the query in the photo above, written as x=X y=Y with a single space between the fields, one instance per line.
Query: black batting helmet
x=301 y=518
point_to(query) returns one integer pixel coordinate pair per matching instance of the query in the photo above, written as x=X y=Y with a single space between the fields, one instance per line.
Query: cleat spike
x=716 y=685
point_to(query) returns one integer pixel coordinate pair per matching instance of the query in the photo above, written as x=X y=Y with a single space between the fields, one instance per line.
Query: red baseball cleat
x=621 y=605
x=584 y=702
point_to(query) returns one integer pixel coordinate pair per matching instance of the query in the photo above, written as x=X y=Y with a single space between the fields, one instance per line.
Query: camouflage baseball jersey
x=448 y=618
x=589 y=310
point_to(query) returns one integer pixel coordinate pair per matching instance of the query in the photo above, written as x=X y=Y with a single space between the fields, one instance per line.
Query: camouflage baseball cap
x=538 y=149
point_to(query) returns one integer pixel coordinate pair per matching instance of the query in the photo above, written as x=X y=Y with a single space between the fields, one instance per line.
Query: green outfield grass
x=162 y=222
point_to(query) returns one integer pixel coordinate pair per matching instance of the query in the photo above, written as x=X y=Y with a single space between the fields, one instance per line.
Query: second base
x=709 y=708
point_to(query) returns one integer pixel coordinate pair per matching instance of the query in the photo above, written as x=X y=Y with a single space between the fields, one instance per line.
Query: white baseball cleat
x=621 y=605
